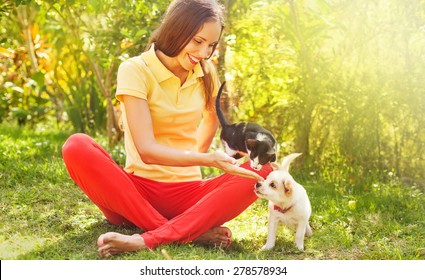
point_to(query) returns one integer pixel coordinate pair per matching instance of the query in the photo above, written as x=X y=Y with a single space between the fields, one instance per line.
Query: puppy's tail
x=220 y=114
x=287 y=161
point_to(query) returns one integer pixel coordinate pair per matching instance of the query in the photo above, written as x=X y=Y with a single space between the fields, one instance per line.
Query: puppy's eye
x=272 y=185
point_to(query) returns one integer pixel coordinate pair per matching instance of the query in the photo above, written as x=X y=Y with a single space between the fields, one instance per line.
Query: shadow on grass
x=76 y=246
x=81 y=246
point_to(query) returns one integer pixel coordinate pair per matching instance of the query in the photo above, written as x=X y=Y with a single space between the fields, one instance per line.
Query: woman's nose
x=205 y=52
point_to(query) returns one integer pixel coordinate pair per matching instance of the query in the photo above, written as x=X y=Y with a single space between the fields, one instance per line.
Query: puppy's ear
x=251 y=143
x=274 y=166
x=287 y=161
x=287 y=187
x=272 y=154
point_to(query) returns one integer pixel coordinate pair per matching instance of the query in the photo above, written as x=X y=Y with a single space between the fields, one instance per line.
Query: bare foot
x=112 y=243
x=217 y=236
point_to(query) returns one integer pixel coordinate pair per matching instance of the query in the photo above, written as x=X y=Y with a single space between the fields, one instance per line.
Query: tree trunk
x=25 y=20
x=112 y=126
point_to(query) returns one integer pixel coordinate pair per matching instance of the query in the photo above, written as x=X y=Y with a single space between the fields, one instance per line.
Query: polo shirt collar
x=161 y=72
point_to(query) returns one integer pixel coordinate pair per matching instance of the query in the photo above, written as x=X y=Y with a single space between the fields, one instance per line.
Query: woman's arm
x=140 y=125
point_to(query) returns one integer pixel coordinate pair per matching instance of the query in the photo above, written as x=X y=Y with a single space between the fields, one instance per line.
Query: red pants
x=166 y=211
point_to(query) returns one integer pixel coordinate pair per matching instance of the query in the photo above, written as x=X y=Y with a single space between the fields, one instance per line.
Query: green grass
x=44 y=215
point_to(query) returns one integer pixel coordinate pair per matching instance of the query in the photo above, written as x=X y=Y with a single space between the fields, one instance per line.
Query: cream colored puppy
x=288 y=203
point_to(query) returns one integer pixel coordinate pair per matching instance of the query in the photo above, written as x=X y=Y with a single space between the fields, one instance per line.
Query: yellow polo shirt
x=176 y=112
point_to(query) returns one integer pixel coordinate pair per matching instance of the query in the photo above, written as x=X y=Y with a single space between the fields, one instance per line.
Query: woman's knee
x=75 y=145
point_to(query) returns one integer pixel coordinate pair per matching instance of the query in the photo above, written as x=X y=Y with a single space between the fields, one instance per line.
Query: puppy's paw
x=300 y=246
x=267 y=247
x=308 y=231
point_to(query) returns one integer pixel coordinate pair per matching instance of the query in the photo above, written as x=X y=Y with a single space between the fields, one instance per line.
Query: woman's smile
x=194 y=60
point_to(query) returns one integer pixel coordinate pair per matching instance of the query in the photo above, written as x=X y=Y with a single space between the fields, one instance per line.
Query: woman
x=167 y=96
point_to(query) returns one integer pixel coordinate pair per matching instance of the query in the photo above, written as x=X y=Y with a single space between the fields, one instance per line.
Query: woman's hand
x=229 y=165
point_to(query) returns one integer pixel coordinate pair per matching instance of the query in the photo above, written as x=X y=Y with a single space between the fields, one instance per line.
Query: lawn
x=44 y=215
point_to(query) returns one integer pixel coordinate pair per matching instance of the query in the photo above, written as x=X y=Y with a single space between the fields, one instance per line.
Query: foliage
x=24 y=96
x=46 y=216
x=339 y=80
x=335 y=80
x=329 y=78
x=74 y=51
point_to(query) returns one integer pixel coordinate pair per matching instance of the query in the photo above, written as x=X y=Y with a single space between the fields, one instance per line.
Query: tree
x=339 y=81
x=89 y=40
x=103 y=33
x=276 y=63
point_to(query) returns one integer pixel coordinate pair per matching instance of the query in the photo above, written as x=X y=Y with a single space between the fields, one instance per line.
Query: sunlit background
x=343 y=82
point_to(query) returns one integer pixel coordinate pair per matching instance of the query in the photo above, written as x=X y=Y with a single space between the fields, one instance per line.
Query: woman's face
x=200 y=46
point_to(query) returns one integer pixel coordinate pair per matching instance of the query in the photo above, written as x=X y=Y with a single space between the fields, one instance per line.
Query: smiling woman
x=176 y=32
x=167 y=98
x=199 y=48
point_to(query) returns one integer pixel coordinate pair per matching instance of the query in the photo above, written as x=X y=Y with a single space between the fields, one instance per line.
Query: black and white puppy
x=246 y=139
x=288 y=203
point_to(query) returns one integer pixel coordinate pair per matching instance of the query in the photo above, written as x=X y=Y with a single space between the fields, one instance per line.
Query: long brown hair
x=181 y=22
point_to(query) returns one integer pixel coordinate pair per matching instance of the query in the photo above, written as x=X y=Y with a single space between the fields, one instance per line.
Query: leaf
x=38 y=77
x=7 y=53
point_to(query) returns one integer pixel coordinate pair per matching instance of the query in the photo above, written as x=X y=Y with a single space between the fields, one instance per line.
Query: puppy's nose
x=257 y=185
